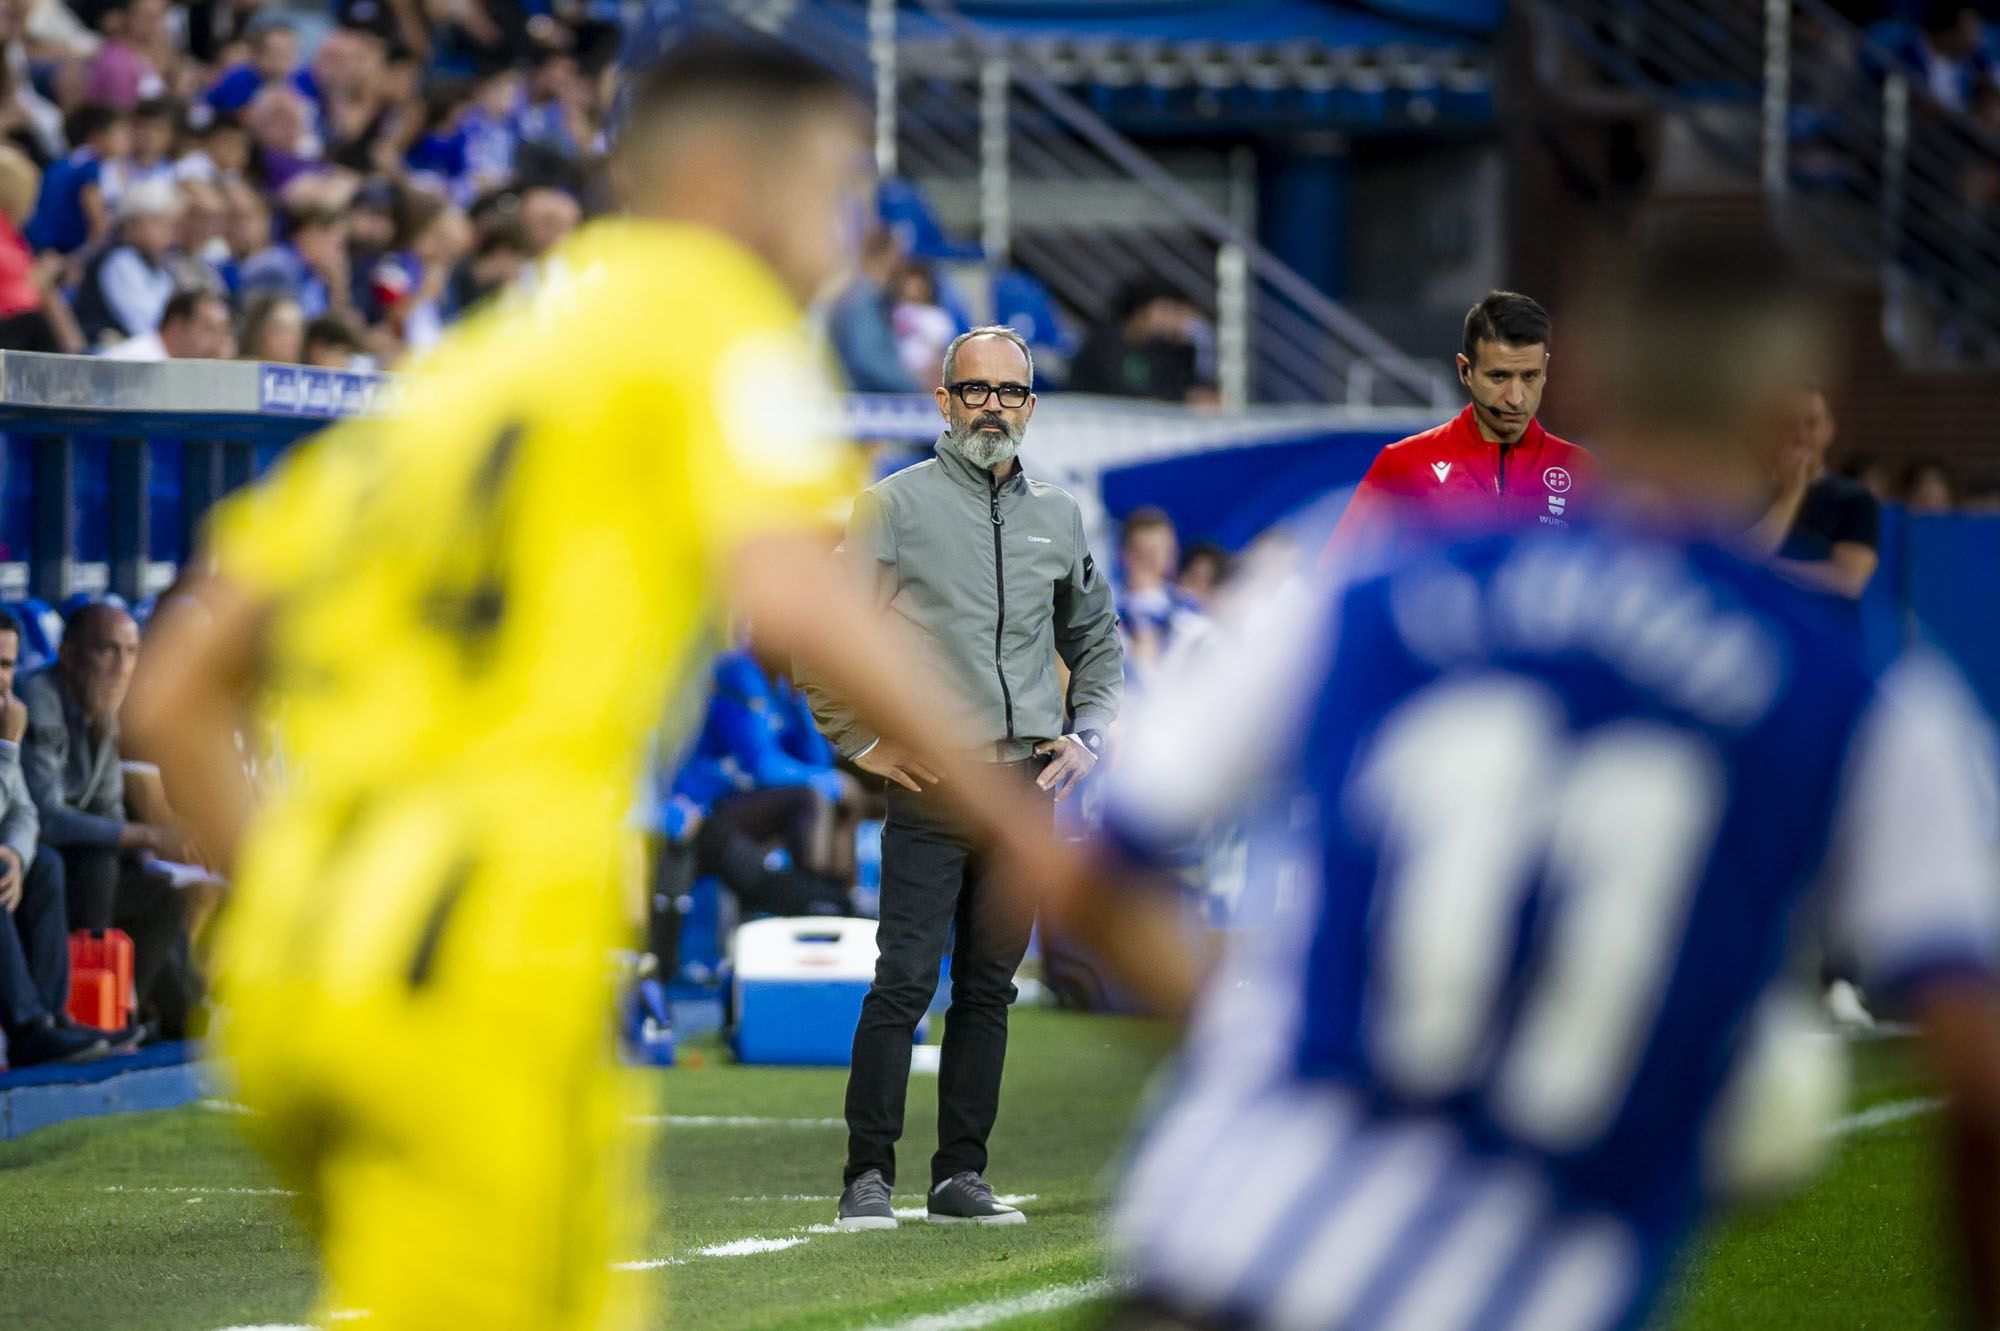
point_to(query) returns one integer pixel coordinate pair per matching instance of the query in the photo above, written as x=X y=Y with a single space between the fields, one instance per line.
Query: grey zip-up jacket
x=1000 y=582
x=20 y=824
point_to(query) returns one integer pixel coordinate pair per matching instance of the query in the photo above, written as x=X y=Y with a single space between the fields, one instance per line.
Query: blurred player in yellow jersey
x=463 y=619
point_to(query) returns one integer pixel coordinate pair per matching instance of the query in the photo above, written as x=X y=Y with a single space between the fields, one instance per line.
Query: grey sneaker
x=864 y=1204
x=965 y=1199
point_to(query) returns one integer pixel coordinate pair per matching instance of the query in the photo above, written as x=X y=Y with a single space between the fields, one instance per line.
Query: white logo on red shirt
x=1558 y=480
x=1443 y=469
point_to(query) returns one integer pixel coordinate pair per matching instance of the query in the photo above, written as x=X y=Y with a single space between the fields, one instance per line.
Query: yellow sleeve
x=761 y=453
x=299 y=519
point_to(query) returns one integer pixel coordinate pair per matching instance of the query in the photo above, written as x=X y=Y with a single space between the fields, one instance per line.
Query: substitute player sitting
x=464 y=618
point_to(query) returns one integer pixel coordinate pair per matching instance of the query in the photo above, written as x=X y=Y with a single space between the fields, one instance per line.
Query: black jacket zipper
x=1000 y=619
x=1502 y=481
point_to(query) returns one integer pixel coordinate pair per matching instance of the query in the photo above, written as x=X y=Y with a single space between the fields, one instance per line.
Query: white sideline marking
x=734 y=1121
x=976 y=1316
x=919 y=1212
x=224 y=1107
x=206 y=1192
x=747 y=1247
x=649 y=1264
x=1881 y=1116
x=1011 y=1199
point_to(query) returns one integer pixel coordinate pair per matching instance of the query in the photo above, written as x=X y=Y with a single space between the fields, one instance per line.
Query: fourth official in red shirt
x=1491 y=466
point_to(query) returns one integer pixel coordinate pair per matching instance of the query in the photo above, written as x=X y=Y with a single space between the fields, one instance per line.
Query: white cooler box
x=796 y=986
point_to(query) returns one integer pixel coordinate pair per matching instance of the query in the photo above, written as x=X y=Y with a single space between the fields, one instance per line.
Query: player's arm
x=192 y=695
x=1206 y=743
x=1845 y=571
x=1917 y=902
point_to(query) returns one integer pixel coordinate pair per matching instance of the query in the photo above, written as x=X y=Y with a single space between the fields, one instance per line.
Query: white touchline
x=746 y=1247
x=1881 y=1116
x=649 y=1264
x=206 y=1192
x=976 y=1316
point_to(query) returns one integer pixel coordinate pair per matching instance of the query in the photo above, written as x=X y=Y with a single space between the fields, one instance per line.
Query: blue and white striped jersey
x=1577 y=801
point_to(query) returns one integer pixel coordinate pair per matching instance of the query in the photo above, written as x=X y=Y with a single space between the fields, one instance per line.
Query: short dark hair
x=745 y=74
x=1506 y=317
x=332 y=330
x=11 y=623
x=308 y=216
x=90 y=120
x=183 y=303
x=1208 y=550
x=154 y=108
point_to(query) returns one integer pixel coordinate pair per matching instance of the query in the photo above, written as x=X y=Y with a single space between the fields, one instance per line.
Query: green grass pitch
x=164 y=1221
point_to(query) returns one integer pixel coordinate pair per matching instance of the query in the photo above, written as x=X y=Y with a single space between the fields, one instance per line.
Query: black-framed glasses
x=974 y=393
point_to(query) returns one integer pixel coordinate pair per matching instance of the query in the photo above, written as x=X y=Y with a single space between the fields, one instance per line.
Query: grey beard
x=986 y=451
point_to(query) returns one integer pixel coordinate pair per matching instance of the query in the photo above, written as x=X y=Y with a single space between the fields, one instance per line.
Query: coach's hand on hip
x=893 y=762
x=1070 y=762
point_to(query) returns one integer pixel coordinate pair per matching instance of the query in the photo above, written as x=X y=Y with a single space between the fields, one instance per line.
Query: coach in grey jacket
x=991 y=570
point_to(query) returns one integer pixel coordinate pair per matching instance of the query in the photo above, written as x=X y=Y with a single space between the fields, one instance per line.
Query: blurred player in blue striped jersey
x=1579 y=800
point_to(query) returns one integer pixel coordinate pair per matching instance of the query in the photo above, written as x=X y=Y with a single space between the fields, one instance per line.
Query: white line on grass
x=205 y=1192
x=1881 y=1116
x=747 y=1247
x=977 y=1316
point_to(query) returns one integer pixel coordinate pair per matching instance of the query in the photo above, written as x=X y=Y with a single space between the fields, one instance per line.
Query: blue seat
x=1022 y=303
x=905 y=211
x=41 y=631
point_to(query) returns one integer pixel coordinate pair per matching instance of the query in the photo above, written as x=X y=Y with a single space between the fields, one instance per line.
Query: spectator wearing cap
x=332 y=344
x=128 y=67
x=372 y=228
x=71 y=213
x=195 y=326
x=125 y=290
x=274 y=329
x=310 y=265
x=274 y=58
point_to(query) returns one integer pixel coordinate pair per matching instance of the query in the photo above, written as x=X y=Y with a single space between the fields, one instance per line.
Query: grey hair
x=1001 y=331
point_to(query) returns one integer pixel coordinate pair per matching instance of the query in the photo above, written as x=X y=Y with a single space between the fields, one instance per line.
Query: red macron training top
x=1453 y=476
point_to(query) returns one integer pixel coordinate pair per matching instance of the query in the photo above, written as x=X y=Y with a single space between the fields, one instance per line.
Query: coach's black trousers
x=933 y=881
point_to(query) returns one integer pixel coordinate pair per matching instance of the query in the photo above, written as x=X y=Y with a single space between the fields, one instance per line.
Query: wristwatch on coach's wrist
x=1092 y=740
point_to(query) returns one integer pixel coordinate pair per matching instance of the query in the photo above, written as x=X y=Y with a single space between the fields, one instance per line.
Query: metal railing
x=212 y=422
x=1849 y=150
x=957 y=110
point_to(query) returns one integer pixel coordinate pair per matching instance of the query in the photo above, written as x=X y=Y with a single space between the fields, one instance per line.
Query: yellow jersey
x=495 y=585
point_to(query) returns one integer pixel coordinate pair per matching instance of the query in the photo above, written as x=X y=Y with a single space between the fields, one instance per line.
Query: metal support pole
x=882 y=55
x=1777 y=97
x=239 y=464
x=1895 y=155
x=131 y=512
x=54 y=548
x=1232 y=326
x=201 y=486
x=994 y=186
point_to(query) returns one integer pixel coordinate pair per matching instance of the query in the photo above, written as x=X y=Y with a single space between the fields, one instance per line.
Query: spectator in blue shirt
x=760 y=778
x=70 y=212
x=274 y=58
x=310 y=265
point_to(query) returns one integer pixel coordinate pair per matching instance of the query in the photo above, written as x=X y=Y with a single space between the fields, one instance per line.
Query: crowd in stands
x=342 y=191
